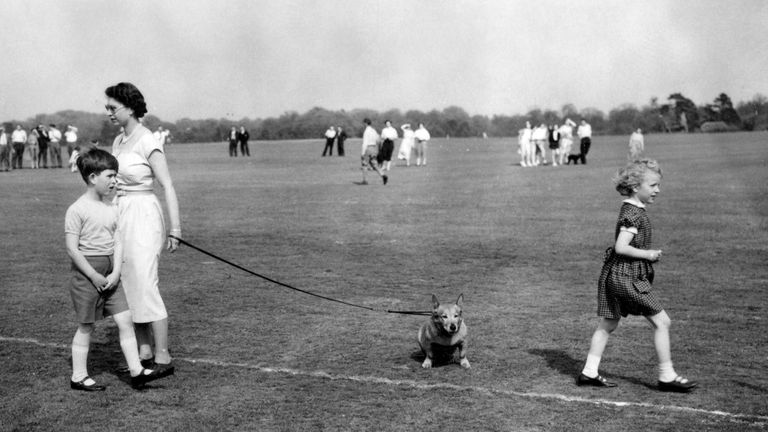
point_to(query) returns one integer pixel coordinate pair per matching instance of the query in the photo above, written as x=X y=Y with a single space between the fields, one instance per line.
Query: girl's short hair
x=633 y=173
x=130 y=96
x=94 y=161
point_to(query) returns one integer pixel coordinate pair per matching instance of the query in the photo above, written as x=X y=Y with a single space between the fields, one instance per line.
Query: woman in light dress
x=142 y=225
x=406 y=145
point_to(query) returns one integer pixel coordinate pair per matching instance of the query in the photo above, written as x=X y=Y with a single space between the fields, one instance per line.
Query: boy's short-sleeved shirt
x=95 y=222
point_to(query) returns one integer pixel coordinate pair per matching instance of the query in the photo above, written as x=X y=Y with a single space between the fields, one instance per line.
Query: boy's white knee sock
x=591 y=367
x=131 y=352
x=80 y=344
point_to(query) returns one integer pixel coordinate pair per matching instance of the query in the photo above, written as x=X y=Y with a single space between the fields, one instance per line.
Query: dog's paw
x=427 y=363
x=465 y=363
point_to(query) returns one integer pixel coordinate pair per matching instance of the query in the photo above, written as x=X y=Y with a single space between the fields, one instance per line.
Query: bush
x=717 y=126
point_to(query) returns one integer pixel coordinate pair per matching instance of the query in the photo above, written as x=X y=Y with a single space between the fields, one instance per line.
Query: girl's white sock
x=590 y=368
x=666 y=372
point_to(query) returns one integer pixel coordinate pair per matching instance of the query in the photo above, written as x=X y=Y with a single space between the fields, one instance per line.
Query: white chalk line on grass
x=368 y=379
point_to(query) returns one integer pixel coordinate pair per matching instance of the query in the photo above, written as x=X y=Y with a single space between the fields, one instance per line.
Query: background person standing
x=422 y=137
x=243 y=137
x=636 y=145
x=70 y=136
x=330 y=136
x=42 y=143
x=388 y=136
x=341 y=136
x=585 y=135
x=5 y=151
x=55 y=145
x=18 y=140
x=233 y=142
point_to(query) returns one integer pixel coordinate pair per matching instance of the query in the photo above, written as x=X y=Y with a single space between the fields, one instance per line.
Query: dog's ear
x=460 y=299
x=435 y=302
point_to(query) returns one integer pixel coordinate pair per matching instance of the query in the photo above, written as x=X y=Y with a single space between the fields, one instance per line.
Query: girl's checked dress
x=624 y=287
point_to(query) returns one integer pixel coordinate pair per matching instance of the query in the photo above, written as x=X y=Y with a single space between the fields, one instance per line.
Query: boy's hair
x=94 y=161
x=632 y=175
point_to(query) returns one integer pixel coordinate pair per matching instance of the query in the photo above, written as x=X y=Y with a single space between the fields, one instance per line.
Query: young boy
x=93 y=245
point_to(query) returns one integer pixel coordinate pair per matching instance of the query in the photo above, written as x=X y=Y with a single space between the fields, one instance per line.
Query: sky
x=257 y=59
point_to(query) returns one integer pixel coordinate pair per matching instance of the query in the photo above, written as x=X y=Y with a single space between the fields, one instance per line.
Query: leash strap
x=239 y=267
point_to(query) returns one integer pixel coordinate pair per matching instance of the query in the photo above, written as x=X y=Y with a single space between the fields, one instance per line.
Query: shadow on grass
x=107 y=357
x=441 y=357
x=562 y=362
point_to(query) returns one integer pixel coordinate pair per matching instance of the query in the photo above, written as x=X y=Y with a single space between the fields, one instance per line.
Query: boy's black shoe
x=82 y=386
x=597 y=381
x=385 y=178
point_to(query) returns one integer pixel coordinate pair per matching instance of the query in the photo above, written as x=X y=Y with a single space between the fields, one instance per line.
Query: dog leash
x=239 y=267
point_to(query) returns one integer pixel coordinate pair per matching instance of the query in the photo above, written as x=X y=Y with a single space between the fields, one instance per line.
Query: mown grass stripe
x=751 y=418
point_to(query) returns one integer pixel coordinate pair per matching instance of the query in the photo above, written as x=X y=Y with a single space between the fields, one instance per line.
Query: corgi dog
x=444 y=332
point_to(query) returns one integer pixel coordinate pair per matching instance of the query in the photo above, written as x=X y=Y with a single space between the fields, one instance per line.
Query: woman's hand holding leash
x=173 y=240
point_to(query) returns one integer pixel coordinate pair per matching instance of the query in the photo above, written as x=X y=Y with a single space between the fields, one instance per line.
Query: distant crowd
x=535 y=141
x=44 y=146
x=413 y=142
x=239 y=137
x=42 y=143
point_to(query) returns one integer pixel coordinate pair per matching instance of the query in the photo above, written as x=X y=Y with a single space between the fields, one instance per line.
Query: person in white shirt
x=526 y=146
x=54 y=146
x=585 y=134
x=566 y=139
x=232 y=142
x=407 y=144
x=18 y=140
x=161 y=135
x=70 y=136
x=636 y=145
x=422 y=137
x=330 y=137
x=5 y=152
x=539 y=138
x=370 y=151
x=388 y=136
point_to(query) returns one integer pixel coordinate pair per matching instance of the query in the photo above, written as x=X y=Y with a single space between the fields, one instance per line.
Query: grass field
x=524 y=245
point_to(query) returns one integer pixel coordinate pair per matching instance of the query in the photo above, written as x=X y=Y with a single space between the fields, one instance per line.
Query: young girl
x=624 y=287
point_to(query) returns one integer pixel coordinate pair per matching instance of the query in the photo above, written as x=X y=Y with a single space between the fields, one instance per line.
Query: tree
x=686 y=116
x=624 y=119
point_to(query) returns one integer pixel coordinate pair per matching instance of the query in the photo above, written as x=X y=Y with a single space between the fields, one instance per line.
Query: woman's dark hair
x=94 y=161
x=130 y=96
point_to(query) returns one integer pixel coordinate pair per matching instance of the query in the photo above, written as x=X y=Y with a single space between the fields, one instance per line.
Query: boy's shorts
x=369 y=157
x=90 y=306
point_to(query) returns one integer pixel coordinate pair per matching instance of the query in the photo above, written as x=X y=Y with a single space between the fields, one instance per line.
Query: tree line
x=676 y=114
